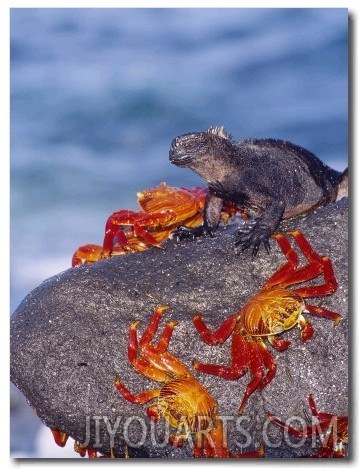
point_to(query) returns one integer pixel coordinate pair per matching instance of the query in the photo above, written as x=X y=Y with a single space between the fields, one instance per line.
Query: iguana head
x=197 y=150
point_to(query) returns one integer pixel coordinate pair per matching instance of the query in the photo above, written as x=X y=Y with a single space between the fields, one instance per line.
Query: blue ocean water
x=97 y=95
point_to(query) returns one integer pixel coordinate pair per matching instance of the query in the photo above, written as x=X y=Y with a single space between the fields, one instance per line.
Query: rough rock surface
x=69 y=340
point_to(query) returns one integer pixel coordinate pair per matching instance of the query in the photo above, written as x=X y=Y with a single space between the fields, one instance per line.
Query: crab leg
x=140 y=364
x=141 y=398
x=314 y=410
x=306 y=432
x=136 y=220
x=324 y=313
x=316 y=266
x=329 y=448
x=289 y=267
x=269 y=363
x=59 y=437
x=297 y=433
x=110 y=235
x=288 y=275
x=220 y=335
x=211 y=444
x=133 y=345
x=165 y=337
x=146 y=236
x=325 y=421
x=150 y=331
x=240 y=355
x=257 y=373
x=247 y=353
x=312 y=405
x=262 y=360
x=305 y=246
x=327 y=288
x=155 y=363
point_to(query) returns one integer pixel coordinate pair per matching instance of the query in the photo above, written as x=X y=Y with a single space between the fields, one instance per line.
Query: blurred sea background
x=97 y=95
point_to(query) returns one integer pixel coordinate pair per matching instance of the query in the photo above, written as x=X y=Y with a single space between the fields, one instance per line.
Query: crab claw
x=153 y=413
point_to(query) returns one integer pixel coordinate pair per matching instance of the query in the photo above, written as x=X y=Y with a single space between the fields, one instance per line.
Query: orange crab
x=335 y=427
x=182 y=400
x=163 y=210
x=273 y=310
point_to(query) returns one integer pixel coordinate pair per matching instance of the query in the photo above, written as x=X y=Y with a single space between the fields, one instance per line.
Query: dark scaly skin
x=270 y=179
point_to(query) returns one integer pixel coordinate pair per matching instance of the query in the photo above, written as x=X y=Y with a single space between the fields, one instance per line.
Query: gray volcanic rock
x=69 y=341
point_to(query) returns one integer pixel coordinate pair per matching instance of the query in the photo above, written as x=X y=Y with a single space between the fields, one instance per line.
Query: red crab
x=335 y=428
x=163 y=210
x=273 y=310
x=182 y=400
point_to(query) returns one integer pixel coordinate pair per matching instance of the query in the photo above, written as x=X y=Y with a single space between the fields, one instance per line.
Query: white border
x=356 y=159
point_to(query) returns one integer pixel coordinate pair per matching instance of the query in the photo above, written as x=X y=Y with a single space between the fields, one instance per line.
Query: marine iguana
x=273 y=179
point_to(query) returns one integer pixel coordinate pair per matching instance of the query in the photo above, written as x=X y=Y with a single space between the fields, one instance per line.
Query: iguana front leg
x=257 y=231
x=212 y=212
